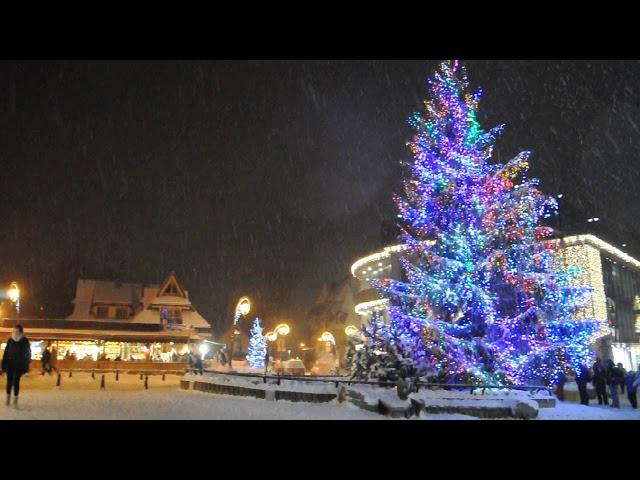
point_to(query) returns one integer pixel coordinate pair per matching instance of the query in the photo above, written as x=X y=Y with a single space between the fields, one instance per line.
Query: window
x=171 y=315
x=122 y=313
x=102 y=312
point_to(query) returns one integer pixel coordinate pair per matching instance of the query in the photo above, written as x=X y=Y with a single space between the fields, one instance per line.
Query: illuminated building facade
x=129 y=321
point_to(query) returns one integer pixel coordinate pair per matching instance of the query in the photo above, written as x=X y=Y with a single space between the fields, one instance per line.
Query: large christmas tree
x=257 y=346
x=484 y=300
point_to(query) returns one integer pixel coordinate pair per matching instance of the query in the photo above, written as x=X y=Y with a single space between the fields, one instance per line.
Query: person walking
x=633 y=380
x=600 y=382
x=15 y=361
x=46 y=361
x=583 y=376
x=562 y=379
x=614 y=377
x=624 y=375
x=53 y=361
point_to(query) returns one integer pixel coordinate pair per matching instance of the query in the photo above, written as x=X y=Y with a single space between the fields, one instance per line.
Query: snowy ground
x=80 y=397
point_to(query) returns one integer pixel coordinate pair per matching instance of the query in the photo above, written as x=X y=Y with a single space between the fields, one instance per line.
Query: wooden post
x=58 y=381
x=93 y=374
x=117 y=374
x=70 y=373
x=102 y=385
x=146 y=382
x=163 y=377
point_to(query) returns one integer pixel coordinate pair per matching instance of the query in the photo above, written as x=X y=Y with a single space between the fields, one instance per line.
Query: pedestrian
x=53 y=361
x=46 y=361
x=633 y=380
x=599 y=381
x=266 y=360
x=624 y=375
x=614 y=377
x=562 y=379
x=15 y=361
x=583 y=376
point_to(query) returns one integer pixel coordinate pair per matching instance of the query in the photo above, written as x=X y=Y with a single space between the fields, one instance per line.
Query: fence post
x=163 y=377
x=102 y=385
x=58 y=381
x=70 y=373
x=146 y=382
x=93 y=374
x=117 y=375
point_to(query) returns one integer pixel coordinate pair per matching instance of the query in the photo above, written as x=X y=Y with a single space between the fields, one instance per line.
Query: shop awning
x=176 y=336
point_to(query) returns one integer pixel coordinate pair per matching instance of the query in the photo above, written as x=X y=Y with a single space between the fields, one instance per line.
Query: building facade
x=124 y=321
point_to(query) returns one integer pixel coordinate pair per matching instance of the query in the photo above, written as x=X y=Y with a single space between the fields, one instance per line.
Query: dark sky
x=268 y=178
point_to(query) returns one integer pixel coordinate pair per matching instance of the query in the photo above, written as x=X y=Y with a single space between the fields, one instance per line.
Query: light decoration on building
x=603 y=246
x=482 y=302
x=375 y=257
x=367 y=308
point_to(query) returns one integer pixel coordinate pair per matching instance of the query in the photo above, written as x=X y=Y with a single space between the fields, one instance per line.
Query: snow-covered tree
x=257 y=346
x=483 y=301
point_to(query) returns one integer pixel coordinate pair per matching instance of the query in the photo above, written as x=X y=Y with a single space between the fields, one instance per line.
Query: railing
x=419 y=385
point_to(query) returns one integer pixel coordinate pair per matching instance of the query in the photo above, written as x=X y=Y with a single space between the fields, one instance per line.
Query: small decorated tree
x=257 y=346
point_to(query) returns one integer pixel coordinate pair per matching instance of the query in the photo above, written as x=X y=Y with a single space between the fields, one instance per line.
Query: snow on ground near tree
x=81 y=398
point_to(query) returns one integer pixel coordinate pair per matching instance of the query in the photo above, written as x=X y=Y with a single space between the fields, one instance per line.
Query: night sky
x=269 y=178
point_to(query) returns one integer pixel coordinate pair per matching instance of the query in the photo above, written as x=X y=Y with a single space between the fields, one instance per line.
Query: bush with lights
x=257 y=346
x=484 y=301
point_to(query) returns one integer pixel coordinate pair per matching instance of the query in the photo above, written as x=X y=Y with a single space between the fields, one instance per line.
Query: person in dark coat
x=15 y=361
x=614 y=377
x=600 y=381
x=624 y=376
x=266 y=359
x=583 y=376
x=632 y=387
x=46 y=361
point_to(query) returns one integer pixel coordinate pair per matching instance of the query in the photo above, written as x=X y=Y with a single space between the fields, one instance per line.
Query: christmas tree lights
x=257 y=346
x=483 y=300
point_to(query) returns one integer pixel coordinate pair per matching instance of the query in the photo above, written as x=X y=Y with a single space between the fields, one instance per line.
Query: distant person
x=600 y=382
x=195 y=363
x=53 y=361
x=15 y=361
x=46 y=361
x=632 y=380
x=583 y=376
x=624 y=376
x=562 y=379
x=614 y=377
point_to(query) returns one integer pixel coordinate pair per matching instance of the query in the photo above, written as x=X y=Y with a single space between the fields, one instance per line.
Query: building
x=613 y=275
x=131 y=321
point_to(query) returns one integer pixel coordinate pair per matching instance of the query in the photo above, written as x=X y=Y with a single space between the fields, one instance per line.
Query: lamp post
x=242 y=309
x=14 y=295
x=282 y=330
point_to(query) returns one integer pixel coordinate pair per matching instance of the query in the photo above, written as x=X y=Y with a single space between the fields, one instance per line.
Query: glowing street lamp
x=281 y=330
x=242 y=309
x=350 y=330
x=14 y=295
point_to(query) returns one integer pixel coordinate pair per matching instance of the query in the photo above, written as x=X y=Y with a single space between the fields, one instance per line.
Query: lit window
x=102 y=312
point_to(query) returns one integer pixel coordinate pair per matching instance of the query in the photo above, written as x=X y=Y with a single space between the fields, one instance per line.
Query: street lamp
x=350 y=330
x=282 y=330
x=242 y=309
x=14 y=296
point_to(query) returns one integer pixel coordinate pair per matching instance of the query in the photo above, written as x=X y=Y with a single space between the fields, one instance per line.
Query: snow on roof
x=112 y=292
x=170 y=300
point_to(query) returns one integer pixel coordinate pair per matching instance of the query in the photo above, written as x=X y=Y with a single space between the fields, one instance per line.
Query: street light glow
x=350 y=330
x=282 y=329
x=14 y=292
